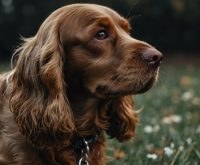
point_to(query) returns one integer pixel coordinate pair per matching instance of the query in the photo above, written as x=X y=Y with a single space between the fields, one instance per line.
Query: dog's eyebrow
x=125 y=25
x=104 y=21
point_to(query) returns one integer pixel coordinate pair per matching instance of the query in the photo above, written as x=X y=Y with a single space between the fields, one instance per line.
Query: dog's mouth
x=146 y=87
x=105 y=91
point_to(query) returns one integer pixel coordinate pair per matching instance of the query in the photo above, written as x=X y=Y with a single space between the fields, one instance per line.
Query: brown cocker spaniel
x=71 y=85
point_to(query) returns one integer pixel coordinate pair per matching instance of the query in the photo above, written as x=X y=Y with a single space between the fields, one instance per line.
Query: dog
x=72 y=84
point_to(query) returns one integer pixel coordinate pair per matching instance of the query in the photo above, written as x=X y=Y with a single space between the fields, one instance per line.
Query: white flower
x=189 y=141
x=171 y=119
x=176 y=118
x=152 y=156
x=187 y=95
x=168 y=151
x=151 y=129
x=172 y=145
x=181 y=148
x=148 y=129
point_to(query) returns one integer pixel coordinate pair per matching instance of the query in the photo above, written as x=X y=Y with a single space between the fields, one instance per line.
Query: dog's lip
x=147 y=86
x=103 y=91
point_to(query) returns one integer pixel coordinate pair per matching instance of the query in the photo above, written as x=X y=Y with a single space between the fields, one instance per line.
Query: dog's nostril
x=151 y=56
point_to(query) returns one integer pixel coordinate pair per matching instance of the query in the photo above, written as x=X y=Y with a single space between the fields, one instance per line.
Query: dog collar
x=83 y=146
x=79 y=141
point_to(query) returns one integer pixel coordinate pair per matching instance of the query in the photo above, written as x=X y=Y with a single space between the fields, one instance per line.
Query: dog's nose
x=151 y=56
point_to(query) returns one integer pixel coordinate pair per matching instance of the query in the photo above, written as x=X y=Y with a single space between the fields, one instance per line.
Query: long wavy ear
x=122 y=118
x=38 y=100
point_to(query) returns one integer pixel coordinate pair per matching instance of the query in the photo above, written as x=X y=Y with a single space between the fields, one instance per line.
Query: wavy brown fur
x=67 y=82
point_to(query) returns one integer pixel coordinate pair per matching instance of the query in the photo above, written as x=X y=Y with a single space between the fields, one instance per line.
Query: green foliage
x=170 y=25
x=169 y=122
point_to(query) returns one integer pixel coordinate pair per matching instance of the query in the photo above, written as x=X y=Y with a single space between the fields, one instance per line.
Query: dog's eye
x=101 y=35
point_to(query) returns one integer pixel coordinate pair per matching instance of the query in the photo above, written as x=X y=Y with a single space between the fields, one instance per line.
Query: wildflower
x=151 y=129
x=152 y=156
x=168 y=151
x=187 y=95
x=181 y=148
x=171 y=119
x=172 y=145
x=189 y=141
x=148 y=129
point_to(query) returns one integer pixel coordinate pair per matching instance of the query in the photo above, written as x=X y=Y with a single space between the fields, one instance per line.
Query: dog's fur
x=74 y=78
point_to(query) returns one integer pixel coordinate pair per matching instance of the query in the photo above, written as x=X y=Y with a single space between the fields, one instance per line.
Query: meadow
x=169 y=129
x=168 y=132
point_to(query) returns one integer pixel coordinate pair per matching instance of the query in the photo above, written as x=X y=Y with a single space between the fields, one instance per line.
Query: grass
x=169 y=128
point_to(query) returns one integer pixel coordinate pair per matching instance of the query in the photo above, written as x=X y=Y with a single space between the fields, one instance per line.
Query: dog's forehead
x=94 y=11
x=117 y=18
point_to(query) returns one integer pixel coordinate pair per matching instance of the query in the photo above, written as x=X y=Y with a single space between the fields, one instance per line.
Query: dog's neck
x=84 y=106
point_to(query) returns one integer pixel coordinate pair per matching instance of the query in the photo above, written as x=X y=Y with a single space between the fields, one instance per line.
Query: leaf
x=119 y=154
x=185 y=81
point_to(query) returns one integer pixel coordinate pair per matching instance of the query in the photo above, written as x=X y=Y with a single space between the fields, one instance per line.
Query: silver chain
x=84 y=160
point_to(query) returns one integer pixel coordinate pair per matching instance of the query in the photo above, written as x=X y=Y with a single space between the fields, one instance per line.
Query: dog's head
x=98 y=45
x=81 y=46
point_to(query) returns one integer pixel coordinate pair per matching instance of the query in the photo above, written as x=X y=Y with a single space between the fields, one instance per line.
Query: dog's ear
x=38 y=101
x=122 y=118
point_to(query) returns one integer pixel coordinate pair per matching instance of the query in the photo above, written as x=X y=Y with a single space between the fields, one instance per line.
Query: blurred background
x=169 y=128
x=170 y=25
